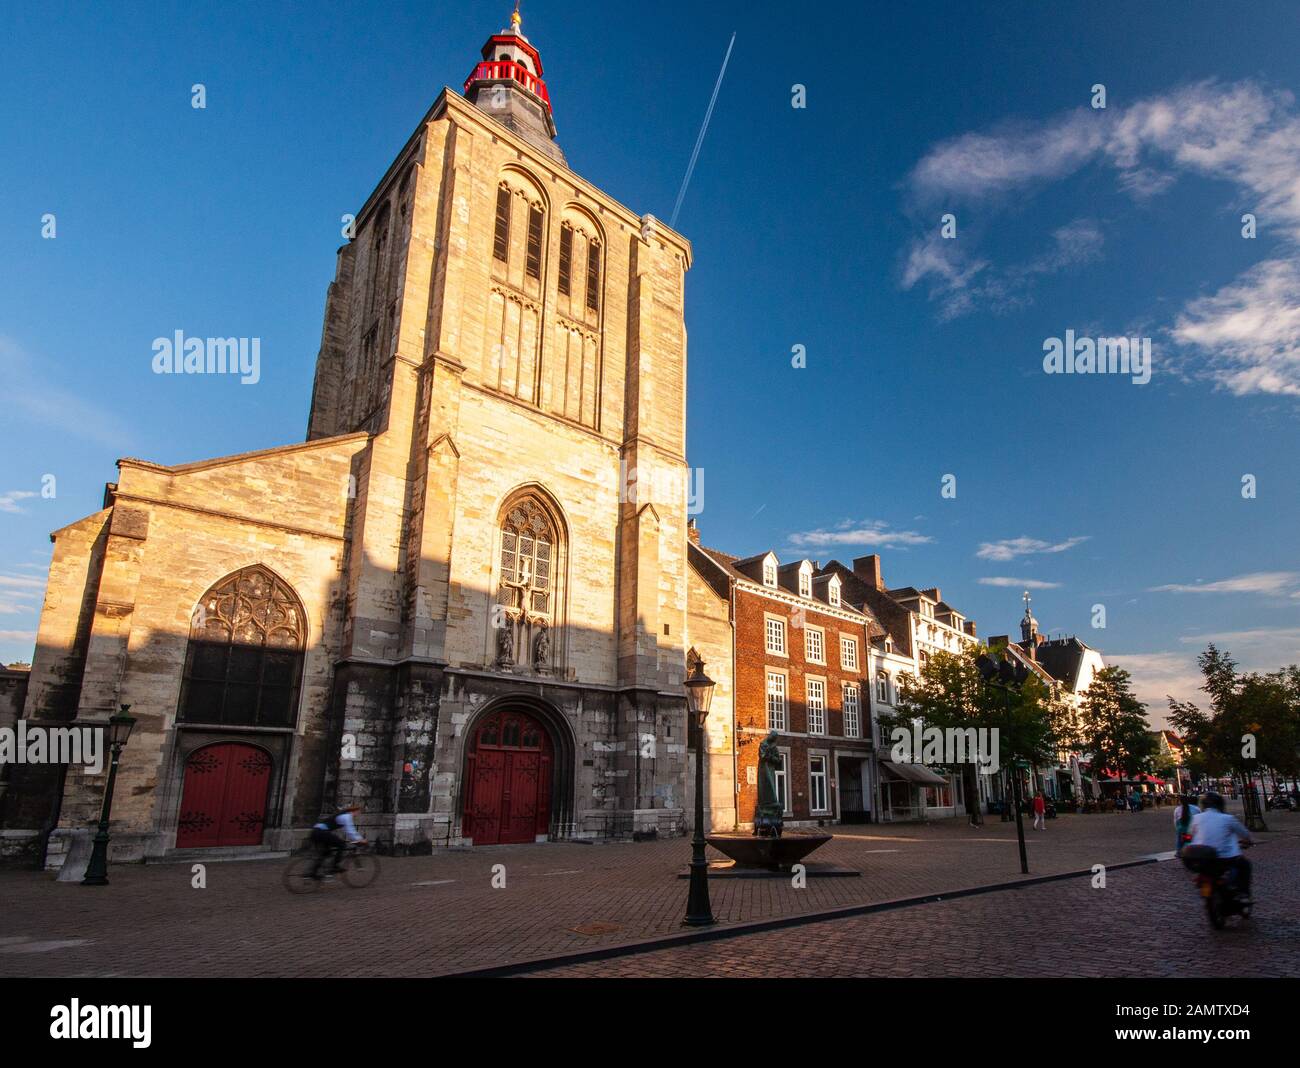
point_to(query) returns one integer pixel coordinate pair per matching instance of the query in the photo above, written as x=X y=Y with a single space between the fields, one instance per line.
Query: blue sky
x=816 y=227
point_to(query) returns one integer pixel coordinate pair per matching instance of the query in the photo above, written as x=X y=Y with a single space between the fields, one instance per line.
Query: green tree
x=1114 y=724
x=951 y=693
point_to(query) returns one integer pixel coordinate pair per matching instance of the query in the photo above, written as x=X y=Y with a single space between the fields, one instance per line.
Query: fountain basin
x=772 y=854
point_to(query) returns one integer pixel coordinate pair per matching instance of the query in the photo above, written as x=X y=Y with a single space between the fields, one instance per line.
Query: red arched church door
x=223 y=799
x=509 y=780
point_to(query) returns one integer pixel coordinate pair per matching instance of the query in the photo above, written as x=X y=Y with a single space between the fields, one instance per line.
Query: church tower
x=460 y=603
x=514 y=340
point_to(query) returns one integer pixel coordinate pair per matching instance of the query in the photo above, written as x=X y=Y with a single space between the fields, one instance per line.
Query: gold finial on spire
x=515 y=18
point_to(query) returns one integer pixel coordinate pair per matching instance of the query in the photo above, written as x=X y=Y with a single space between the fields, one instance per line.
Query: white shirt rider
x=346 y=824
x=1220 y=831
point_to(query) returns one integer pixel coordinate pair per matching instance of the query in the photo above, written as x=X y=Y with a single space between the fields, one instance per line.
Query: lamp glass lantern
x=699 y=692
x=120 y=727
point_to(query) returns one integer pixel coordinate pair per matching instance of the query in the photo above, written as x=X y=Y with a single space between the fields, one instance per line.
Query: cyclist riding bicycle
x=326 y=838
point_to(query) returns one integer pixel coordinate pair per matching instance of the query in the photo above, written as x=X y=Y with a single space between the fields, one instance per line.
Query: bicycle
x=358 y=867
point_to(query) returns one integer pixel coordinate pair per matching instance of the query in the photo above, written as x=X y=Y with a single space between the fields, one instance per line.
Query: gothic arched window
x=527 y=548
x=527 y=599
x=243 y=664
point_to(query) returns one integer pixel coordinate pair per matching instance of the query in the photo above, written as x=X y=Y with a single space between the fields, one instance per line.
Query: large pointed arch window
x=527 y=573
x=243 y=665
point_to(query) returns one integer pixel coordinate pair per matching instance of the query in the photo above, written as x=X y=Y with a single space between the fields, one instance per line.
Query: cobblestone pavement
x=436 y=915
x=1148 y=922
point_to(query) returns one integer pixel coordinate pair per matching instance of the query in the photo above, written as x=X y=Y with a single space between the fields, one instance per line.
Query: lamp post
x=119 y=730
x=1007 y=676
x=699 y=694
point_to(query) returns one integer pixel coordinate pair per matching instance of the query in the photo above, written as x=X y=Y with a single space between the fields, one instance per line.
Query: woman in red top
x=1040 y=808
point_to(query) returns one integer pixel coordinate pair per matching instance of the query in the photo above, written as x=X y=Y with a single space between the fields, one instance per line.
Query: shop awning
x=914 y=773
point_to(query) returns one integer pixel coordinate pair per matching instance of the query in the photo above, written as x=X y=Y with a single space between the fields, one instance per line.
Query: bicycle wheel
x=360 y=870
x=297 y=875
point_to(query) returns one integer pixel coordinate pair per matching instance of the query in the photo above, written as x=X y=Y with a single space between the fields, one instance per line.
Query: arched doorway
x=223 y=798
x=509 y=769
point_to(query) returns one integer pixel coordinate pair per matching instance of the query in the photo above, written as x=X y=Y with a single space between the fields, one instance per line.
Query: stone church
x=448 y=605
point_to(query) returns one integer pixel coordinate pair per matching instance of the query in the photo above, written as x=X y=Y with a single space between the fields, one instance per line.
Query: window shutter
x=501 y=240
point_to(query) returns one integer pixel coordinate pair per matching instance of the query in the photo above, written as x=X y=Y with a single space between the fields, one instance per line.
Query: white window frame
x=833 y=591
x=782 y=776
x=825 y=776
x=819 y=634
x=853 y=708
x=769 y=572
x=848 y=663
x=781 y=720
x=768 y=622
x=882 y=688
x=811 y=682
x=805 y=581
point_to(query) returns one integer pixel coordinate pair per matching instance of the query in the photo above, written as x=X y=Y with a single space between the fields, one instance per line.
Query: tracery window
x=243 y=664
x=527 y=616
x=527 y=541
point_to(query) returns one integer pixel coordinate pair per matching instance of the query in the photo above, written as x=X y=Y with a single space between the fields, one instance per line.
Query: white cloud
x=1246 y=336
x=1249 y=332
x=18 y=593
x=867 y=532
x=17 y=635
x=1156 y=676
x=9 y=501
x=1010 y=548
x=1019 y=583
x=1274 y=582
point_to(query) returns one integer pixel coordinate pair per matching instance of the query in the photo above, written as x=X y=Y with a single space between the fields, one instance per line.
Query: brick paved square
x=439 y=914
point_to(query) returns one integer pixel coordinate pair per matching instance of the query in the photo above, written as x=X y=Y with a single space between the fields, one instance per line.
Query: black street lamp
x=119 y=730
x=1007 y=677
x=699 y=694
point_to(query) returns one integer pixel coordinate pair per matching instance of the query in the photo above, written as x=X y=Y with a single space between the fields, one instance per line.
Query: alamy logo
x=1073 y=355
x=103 y=1021
x=181 y=355
x=954 y=745
x=25 y=743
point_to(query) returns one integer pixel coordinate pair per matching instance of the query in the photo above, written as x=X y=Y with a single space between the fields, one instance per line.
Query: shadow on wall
x=250 y=724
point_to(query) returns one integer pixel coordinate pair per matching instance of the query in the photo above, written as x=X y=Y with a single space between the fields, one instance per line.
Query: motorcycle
x=1281 y=801
x=1216 y=885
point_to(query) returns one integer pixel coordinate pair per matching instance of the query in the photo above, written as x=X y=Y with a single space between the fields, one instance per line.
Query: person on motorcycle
x=1223 y=833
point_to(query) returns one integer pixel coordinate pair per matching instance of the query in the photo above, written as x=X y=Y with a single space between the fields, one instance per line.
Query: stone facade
x=473 y=373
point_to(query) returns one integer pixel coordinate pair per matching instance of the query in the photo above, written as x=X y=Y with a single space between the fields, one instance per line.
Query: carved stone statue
x=542 y=647
x=506 y=642
x=768 y=817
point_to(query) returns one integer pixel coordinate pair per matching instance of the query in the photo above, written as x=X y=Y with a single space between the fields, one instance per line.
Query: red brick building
x=800 y=668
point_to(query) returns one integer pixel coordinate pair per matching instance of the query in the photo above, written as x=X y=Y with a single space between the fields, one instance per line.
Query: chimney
x=692 y=531
x=867 y=568
x=970 y=627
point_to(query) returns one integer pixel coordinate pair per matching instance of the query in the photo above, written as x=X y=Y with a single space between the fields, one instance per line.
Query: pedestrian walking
x=1040 y=810
x=1183 y=813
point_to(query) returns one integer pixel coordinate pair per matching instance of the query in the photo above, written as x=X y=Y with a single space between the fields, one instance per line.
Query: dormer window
x=833 y=592
x=805 y=580
x=769 y=572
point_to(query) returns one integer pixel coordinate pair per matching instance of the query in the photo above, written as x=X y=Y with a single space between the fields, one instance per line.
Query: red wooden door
x=486 y=795
x=509 y=780
x=223 y=799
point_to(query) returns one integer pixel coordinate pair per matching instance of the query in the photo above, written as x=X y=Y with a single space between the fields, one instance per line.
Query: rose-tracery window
x=527 y=543
x=243 y=664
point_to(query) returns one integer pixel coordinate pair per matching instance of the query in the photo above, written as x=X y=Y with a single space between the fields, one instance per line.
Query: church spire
x=1029 y=626
x=508 y=85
